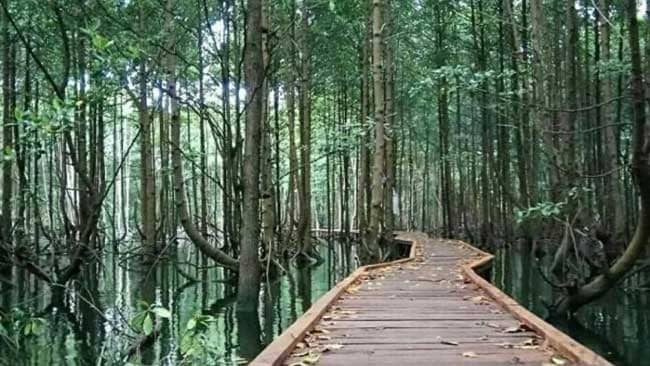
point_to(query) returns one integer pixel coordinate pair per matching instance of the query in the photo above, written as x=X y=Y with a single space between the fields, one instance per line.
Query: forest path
x=421 y=312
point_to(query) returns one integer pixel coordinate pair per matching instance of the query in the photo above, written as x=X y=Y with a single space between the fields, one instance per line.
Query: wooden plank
x=454 y=358
x=419 y=324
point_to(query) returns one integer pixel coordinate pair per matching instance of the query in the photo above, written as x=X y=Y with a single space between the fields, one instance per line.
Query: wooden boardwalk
x=422 y=312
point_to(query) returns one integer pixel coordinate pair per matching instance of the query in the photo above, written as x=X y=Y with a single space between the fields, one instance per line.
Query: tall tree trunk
x=519 y=90
x=443 y=129
x=389 y=147
x=268 y=208
x=614 y=201
x=291 y=122
x=345 y=162
x=147 y=184
x=364 y=154
x=23 y=158
x=202 y=138
x=7 y=139
x=304 y=225
x=543 y=92
x=568 y=158
x=445 y=159
x=249 y=266
x=378 y=169
x=478 y=33
x=236 y=149
x=228 y=152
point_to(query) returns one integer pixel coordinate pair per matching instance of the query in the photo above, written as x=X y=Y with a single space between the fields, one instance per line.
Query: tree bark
x=7 y=165
x=249 y=266
x=147 y=183
x=378 y=169
x=304 y=224
x=291 y=126
x=614 y=200
x=268 y=200
x=389 y=153
x=363 y=170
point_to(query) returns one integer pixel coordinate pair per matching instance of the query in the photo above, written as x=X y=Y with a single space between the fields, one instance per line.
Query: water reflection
x=93 y=327
x=617 y=326
x=248 y=335
x=304 y=287
x=89 y=315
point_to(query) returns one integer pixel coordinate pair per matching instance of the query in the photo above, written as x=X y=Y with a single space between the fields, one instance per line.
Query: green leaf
x=100 y=42
x=191 y=324
x=8 y=154
x=133 y=51
x=147 y=325
x=142 y=305
x=38 y=326
x=138 y=320
x=161 y=312
x=186 y=342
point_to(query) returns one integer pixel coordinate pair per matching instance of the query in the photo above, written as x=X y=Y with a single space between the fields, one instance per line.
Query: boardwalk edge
x=281 y=347
x=553 y=337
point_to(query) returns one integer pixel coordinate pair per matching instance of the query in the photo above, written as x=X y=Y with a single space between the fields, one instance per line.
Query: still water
x=96 y=328
x=617 y=326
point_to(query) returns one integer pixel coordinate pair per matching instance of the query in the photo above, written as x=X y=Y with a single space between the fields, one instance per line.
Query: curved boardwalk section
x=421 y=312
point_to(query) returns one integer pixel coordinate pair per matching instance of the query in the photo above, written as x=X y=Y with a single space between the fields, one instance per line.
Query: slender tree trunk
x=424 y=224
x=278 y=187
x=249 y=266
x=378 y=170
x=202 y=138
x=389 y=152
x=268 y=209
x=236 y=150
x=147 y=184
x=486 y=131
x=445 y=158
x=291 y=122
x=568 y=158
x=7 y=165
x=23 y=158
x=304 y=225
x=543 y=92
x=362 y=187
x=614 y=200
x=519 y=91
x=228 y=152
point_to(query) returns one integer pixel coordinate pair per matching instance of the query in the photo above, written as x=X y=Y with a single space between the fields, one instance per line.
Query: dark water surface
x=95 y=328
x=617 y=326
